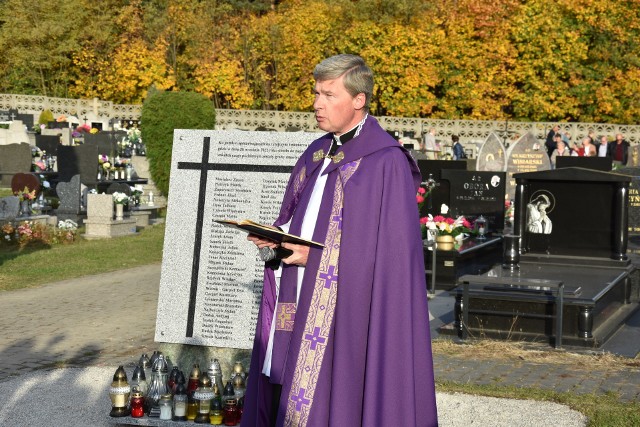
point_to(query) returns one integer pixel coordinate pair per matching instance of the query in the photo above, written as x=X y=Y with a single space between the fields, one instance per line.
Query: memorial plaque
x=634 y=199
x=492 y=155
x=211 y=280
x=526 y=155
x=475 y=193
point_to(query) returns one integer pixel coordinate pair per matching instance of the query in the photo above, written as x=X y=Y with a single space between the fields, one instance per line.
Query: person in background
x=431 y=147
x=550 y=143
x=561 y=150
x=458 y=149
x=603 y=148
x=588 y=149
x=619 y=150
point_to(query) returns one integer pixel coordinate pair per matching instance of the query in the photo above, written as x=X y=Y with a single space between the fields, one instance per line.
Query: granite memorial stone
x=9 y=208
x=14 y=158
x=634 y=198
x=48 y=143
x=474 y=193
x=80 y=160
x=527 y=154
x=211 y=279
x=71 y=199
x=492 y=155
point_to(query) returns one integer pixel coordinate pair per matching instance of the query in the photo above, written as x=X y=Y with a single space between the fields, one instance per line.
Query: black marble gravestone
x=572 y=212
x=439 y=194
x=596 y=163
x=78 y=160
x=572 y=224
x=474 y=193
x=14 y=158
x=634 y=199
x=105 y=141
x=48 y=143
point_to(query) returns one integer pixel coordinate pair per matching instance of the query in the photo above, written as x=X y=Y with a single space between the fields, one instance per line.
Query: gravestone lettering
x=634 y=198
x=474 y=193
x=211 y=277
x=527 y=154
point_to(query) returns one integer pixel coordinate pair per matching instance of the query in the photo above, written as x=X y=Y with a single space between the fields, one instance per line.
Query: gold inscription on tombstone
x=634 y=198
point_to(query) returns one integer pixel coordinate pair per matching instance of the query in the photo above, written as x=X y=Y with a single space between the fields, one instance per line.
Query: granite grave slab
x=79 y=160
x=211 y=279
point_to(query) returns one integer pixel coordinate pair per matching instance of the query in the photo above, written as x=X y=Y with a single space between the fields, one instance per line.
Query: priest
x=343 y=330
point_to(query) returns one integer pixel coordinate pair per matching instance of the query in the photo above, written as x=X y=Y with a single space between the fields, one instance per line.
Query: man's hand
x=299 y=256
x=261 y=242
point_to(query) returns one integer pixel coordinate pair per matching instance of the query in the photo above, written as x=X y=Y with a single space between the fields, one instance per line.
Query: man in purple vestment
x=343 y=331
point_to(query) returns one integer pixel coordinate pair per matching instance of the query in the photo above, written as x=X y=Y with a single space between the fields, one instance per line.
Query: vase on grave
x=445 y=242
x=119 y=211
x=25 y=208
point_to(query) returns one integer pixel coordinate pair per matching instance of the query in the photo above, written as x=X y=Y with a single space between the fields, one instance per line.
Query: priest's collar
x=337 y=141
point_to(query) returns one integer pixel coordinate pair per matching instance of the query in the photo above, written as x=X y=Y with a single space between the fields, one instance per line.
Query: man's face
x=604 y=140
x=619 y=137
x=556 y=128
x=336 y=110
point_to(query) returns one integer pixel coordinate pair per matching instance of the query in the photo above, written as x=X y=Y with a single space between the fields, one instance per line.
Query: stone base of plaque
x=101 y=229
x=185 y=355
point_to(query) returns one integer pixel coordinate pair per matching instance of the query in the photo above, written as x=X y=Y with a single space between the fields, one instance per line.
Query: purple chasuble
x=359 y=352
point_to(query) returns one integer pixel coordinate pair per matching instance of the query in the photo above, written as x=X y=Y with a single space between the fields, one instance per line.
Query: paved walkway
x=108 y=320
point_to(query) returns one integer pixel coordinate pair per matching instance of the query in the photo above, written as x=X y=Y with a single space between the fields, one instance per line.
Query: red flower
x=424 y=220
x=421 y=190
x=466 y=223
x=438 y=218
x=419 y=198
x=449 y=220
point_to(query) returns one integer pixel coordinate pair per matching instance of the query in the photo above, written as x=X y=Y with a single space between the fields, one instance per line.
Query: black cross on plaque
x=204 y=167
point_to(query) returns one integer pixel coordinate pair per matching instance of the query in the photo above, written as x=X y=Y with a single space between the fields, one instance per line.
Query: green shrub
x=162 y=112
x=45 y=117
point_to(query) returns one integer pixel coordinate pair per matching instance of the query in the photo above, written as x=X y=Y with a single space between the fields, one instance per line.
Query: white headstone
x=211 y=278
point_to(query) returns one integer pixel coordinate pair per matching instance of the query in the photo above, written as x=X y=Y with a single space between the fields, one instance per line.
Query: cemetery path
x=102 y=321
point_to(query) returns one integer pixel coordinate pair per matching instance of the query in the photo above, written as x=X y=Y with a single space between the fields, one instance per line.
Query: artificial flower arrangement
x=120 y=198
x=26 y=194
x=441 y=225
x=28 y=232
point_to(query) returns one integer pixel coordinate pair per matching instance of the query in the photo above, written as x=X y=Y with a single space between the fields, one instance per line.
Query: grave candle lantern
x=217 y=415
x=139 y=380
x=137 y=404
x=192 y=386
x=165 y=404
x=158 y=385
x=481 y=227
x=119 y=393
x=203 y=395
x=231 y=412
x=180 y=403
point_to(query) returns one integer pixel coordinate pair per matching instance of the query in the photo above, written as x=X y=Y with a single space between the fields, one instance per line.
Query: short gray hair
x=358 y=77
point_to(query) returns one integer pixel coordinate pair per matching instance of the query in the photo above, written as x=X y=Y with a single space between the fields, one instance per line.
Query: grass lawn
x=32 y=267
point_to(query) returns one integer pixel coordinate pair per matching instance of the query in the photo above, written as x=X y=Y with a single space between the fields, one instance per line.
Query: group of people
x=558 y=143
x=432 y=149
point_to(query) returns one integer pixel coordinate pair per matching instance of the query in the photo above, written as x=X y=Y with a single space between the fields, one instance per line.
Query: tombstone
x=14 y=158
x=603 y=164
x=20 y=181
x=634 y=199
x=48 y=143
x=571 y=280
x=492 y=155
x=9 y=208
x=71 y=194
x=582 y=216
x=211 y=278
x=57 y=125
x=26 y=119
x=440 y=193
x=107 y=142
x=473 y=193
x=80 y=160
x=119 y=187
x=63 y=135
x=15 y=134
x=527 y=154
x=100 y=223
x=5 y=116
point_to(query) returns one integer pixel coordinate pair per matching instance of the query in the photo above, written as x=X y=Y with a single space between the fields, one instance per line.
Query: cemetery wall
x=470 y=131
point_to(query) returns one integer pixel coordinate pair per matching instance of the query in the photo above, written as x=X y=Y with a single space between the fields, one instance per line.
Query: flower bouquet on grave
x=121 y=200
x=436 y=227
x=136 y=192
